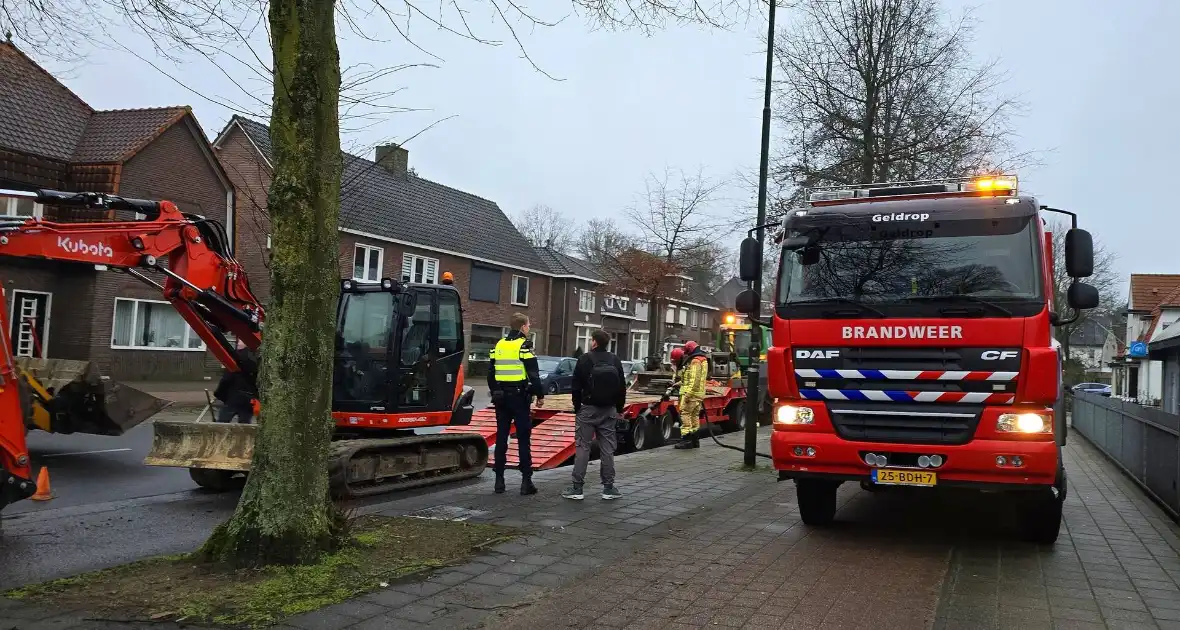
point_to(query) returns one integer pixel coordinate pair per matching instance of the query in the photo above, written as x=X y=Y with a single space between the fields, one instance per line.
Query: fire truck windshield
x=860 y=266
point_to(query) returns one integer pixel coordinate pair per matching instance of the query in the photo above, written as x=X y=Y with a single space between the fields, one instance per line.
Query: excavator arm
x=202 y=280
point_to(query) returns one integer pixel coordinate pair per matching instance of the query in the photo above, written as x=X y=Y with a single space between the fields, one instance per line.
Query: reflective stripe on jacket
x=509 y=356
x=692 y=385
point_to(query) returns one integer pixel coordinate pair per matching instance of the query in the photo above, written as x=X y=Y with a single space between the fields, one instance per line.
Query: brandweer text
x=901 y=332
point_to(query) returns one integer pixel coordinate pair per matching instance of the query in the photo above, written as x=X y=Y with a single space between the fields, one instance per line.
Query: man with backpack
x=599 y=393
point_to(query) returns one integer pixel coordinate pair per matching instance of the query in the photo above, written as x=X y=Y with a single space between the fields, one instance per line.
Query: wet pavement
x=697 y=543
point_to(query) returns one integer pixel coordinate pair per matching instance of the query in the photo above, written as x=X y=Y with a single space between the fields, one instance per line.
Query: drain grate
x=446 y=513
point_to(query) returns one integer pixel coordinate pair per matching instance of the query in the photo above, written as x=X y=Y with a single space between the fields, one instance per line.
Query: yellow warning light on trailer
x=730 y=318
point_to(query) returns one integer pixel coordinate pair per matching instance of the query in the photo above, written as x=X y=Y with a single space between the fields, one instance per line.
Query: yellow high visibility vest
x=509 y=356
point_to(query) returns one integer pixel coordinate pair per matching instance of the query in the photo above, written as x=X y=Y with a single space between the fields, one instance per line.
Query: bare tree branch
x=543 y=226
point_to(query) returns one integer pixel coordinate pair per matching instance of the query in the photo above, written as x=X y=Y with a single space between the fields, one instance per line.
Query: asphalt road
x=109 y=508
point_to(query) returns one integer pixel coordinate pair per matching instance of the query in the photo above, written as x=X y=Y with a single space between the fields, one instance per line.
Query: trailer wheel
x=737 y=416
x=657 y=434
x=639 y=434
x=210 y=479
x=667 y=427
x=817 y=501
x=1040 y=513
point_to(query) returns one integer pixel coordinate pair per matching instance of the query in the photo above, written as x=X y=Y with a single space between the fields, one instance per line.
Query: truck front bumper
x=977 y=464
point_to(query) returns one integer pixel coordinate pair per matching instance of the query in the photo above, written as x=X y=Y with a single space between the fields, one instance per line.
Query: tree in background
x=543 y=226
x=884 y=91
x=1105 y=279
x=599 y=239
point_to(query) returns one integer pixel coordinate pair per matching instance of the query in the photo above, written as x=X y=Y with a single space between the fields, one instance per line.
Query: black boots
x=689 y=440
x=526 y=484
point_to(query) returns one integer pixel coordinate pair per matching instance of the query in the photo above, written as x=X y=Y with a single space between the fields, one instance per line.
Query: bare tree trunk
x=285 y=515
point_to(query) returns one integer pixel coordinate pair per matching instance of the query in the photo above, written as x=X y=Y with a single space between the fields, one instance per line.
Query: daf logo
x=998 y=355
x=817 y=354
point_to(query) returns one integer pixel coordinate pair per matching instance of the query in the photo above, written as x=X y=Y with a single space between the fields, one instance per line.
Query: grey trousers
x=594 y=421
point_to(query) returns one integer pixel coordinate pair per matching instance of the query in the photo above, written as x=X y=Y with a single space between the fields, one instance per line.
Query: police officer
x=513 y=379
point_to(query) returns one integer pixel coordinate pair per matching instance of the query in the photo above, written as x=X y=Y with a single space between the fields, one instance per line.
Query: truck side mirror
x=1082 y=296
x=1079 y=253
x=750 y=262
x=747 y=303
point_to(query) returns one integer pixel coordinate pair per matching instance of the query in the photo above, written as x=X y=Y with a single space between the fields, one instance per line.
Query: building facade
x=51 y=138
x=396 y=224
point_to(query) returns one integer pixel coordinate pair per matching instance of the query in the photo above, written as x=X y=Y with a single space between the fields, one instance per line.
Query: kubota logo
x=79 y=246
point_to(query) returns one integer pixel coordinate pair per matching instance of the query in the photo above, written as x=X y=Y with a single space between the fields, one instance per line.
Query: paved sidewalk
x=697 y=543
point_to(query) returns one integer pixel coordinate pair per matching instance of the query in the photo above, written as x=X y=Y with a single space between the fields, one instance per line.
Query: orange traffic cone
x=43 y=492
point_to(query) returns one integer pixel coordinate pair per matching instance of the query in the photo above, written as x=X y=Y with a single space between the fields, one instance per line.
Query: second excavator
x=397 y=367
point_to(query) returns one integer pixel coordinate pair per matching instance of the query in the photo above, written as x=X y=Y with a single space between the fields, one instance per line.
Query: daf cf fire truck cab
x=913 y=344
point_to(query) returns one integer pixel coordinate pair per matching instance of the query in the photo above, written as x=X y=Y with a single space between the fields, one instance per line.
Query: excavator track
x=362 y=468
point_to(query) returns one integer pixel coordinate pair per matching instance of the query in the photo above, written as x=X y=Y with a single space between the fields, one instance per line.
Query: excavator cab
x=399 y=349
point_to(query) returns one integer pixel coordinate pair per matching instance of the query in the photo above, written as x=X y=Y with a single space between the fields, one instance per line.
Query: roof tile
x=116 y=135
x=564 y=265
x=416 y=210
x=1148 y=290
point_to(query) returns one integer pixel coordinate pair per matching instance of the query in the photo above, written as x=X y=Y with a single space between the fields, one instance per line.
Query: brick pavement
x=697 y=543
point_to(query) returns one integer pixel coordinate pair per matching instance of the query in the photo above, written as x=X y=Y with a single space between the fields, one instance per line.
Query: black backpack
x=605 y=384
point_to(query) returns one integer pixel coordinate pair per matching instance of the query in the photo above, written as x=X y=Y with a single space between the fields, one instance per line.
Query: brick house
x=51 y=138
x=689 y=312
x=396 y=224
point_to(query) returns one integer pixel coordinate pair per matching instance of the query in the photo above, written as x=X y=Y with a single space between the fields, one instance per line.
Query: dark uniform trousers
x=513 y=408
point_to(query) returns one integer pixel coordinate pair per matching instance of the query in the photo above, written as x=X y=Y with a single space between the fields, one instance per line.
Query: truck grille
x=906 y=375
x=905 y=423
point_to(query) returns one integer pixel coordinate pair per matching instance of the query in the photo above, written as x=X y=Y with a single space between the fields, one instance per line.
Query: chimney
x=394 y=159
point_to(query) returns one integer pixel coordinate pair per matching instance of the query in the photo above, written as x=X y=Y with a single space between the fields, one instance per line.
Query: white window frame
x=670 y=315
x=582 y=294
x=640 y=340
x=692 y=318
x=11 y=204
x=188 y=330
x=584 y=341
x=368 y=249
x=512 y=298
x=683 y=316
x=646 y=312
x=427 y=276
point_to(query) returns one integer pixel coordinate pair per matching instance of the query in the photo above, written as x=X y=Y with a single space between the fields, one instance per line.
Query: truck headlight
x=790 y=414
x=1023 y=423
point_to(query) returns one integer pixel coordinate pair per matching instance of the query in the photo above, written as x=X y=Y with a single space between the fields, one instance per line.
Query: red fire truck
x=913 y=343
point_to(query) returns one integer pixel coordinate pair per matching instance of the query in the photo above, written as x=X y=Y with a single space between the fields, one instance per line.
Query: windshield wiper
x=860 y=306
x=954 y=297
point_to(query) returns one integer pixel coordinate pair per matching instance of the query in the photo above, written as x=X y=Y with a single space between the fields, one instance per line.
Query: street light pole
x=752 y=407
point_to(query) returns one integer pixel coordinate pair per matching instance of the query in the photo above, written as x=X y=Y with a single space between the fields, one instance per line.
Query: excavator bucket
x=651 y=382
x=77 y=400
x=186 y=444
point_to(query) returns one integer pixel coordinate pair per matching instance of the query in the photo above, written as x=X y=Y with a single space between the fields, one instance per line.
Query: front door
x=29 y=323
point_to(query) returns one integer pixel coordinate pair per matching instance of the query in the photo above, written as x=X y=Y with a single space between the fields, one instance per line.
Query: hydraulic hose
x=668 y=396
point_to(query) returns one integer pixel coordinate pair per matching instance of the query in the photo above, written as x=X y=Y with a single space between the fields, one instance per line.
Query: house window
x=366 y=263
x=151 y=324
x=705 y=320
x=22 y=207
x=641 y=311
x=483 y=339
x=616 y=303
x=419 y=270
x=268 y=242
x=670 y=316
x=683 y=316
x=485 y=284
x=692 y=318
x=638 y=346
x=585 y=301
x=584 y=333
x=520 y=291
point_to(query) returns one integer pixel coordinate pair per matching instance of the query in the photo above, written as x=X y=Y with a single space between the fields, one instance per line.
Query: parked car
x=557 y=374
x=1101 y=389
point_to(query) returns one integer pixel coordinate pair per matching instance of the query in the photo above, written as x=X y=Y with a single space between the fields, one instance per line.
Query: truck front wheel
x=1040 y=514
x=817 y=500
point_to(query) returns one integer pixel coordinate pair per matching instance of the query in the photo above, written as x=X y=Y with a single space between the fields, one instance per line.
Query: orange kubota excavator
x=397 y=367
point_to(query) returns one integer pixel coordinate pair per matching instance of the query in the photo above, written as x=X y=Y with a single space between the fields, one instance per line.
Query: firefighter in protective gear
x=692 y=394
x=513 y=379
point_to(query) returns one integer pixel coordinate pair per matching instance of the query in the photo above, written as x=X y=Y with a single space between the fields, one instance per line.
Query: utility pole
x=750 y=455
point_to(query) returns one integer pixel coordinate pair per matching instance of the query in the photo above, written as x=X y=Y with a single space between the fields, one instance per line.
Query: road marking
x=109 y=450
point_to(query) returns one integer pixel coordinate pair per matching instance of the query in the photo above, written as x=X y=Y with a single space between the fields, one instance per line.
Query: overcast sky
x=1098 y=78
